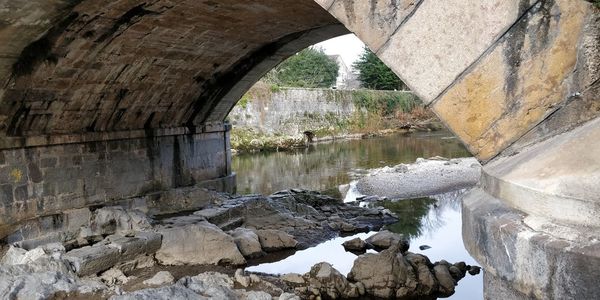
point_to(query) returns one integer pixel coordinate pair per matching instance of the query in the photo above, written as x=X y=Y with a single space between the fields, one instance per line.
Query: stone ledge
x=536 y=264
x=51 y=140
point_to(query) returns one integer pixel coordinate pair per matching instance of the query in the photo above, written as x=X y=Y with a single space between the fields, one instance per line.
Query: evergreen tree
x=375 y=75
x=310 y=68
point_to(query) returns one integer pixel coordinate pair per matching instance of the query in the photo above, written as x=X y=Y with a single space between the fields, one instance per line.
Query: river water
x=434 y=221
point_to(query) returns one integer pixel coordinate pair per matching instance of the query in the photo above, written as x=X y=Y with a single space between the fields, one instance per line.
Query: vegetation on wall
x=375 y=75
x=309 y=68
x=385 y=103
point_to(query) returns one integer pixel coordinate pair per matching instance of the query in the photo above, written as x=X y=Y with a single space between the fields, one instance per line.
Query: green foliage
x=595 y=3
x=244 y=101
x=375 y=75
x=309 y=68
x=385 y=103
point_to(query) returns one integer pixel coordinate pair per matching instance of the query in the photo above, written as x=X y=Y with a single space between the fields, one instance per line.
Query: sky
x=348 y=46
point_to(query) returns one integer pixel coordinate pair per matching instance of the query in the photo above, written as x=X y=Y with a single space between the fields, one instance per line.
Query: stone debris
x=161 y=278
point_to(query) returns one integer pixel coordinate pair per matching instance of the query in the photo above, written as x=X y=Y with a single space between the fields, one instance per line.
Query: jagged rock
x=19 y=256
x=274 y=240
x=384 y=273
x=385 y=239
x=443 y=276
x=240 y=278
x=293 y=278
x=247 y=242
x=356 y=244
x=161 y=278
x=288 y=296
x=114 y=276
x=473 y=270
x=201 y=243
x=255 y=295
x=167 y=292
x=111 y=220
x=210 y=284
x=326 y=281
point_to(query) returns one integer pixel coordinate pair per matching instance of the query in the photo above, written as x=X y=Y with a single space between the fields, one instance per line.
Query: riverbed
x=433 y=222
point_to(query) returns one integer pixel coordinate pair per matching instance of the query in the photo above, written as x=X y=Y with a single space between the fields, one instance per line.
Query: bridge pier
x=44 y=181
x=534 y=221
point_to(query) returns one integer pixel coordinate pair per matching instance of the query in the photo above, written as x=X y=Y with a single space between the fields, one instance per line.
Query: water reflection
x=324 y=167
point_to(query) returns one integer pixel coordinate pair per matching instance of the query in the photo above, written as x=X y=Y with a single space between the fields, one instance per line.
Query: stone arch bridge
x=123 y=101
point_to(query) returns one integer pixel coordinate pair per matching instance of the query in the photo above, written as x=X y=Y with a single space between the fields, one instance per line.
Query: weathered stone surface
x=201 y=243
x=247 y=242
x=274 y=240
x=442 y=39
x=386 y=239
x=355 y=245
x=161 y=278
x=518 y=84
x=91 y=260
x=374 y=22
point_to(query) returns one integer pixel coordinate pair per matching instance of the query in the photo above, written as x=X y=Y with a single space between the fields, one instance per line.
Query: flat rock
x=161 y=278
x=247 y=242
x=274 y=240
x=201 y=243
x=91 y=260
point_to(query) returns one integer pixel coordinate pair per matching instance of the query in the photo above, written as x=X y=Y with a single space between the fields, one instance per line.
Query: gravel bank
x=423 y=178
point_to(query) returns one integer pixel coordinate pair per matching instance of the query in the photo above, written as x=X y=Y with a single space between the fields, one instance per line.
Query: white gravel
x=423 y=178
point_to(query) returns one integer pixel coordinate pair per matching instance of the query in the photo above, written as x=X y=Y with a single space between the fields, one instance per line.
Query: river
x=434 y=221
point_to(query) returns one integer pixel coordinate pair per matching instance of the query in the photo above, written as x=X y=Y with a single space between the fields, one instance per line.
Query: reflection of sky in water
x=440 y=229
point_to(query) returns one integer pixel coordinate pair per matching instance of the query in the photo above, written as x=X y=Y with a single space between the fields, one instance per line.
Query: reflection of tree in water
x=421 y=215
x=325 y=166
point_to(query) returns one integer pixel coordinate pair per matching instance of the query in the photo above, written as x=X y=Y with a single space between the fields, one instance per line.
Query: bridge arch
x=107 y=101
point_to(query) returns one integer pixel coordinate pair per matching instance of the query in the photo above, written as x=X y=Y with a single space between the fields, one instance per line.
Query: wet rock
x=247 y=242
x=201 y=243
x=473 y=270
x=424 y=247
x=161 y=278
x=386 y=239
x=274 y=240
x=356 y=244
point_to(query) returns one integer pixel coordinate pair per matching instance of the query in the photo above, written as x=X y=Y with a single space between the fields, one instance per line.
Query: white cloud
x=348 y=46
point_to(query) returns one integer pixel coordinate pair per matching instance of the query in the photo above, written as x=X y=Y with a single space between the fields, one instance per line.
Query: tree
x=310 y=68
x=375 y=75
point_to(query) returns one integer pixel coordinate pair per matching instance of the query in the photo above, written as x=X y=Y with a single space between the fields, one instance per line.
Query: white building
x=347 y=79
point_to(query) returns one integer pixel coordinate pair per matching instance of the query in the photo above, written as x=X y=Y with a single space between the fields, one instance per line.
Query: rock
x=274 y=240
x=91 y=260
x=210 y=284
x=381 y=273
x=19 y=256
x=161 y=278
x=443 y=276
x=111 y=220
x=130 y=247
x=293 y=278
x=385 y=239
x=247 y=242
x=474 y=270
x=424 y=247
x=288 y=296
x=168 y=292
x=254 y=295
x=328 y=281
x=356 y=244
x=240 y=278
x=113 y=277
x=201 y=243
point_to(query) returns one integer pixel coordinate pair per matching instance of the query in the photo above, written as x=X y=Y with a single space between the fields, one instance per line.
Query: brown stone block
x=519 y=83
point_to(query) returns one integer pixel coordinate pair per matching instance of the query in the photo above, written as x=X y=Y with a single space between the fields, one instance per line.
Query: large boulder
x=384 y=274
x=355 y=245
x=200 y=243
x=327 y=282
x=247 y=242
x=274 y=240
x=116 y=219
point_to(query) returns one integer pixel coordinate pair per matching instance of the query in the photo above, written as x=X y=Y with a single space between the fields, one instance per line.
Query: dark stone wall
x=46 y=180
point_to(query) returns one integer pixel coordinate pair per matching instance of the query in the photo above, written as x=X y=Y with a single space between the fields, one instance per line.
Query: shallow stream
x=434 y=221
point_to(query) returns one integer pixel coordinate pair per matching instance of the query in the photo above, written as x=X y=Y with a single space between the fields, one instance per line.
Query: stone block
x=442 y=38
x=518 y=84
x=93 y=259
x=141 y=243
x=373 y=22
